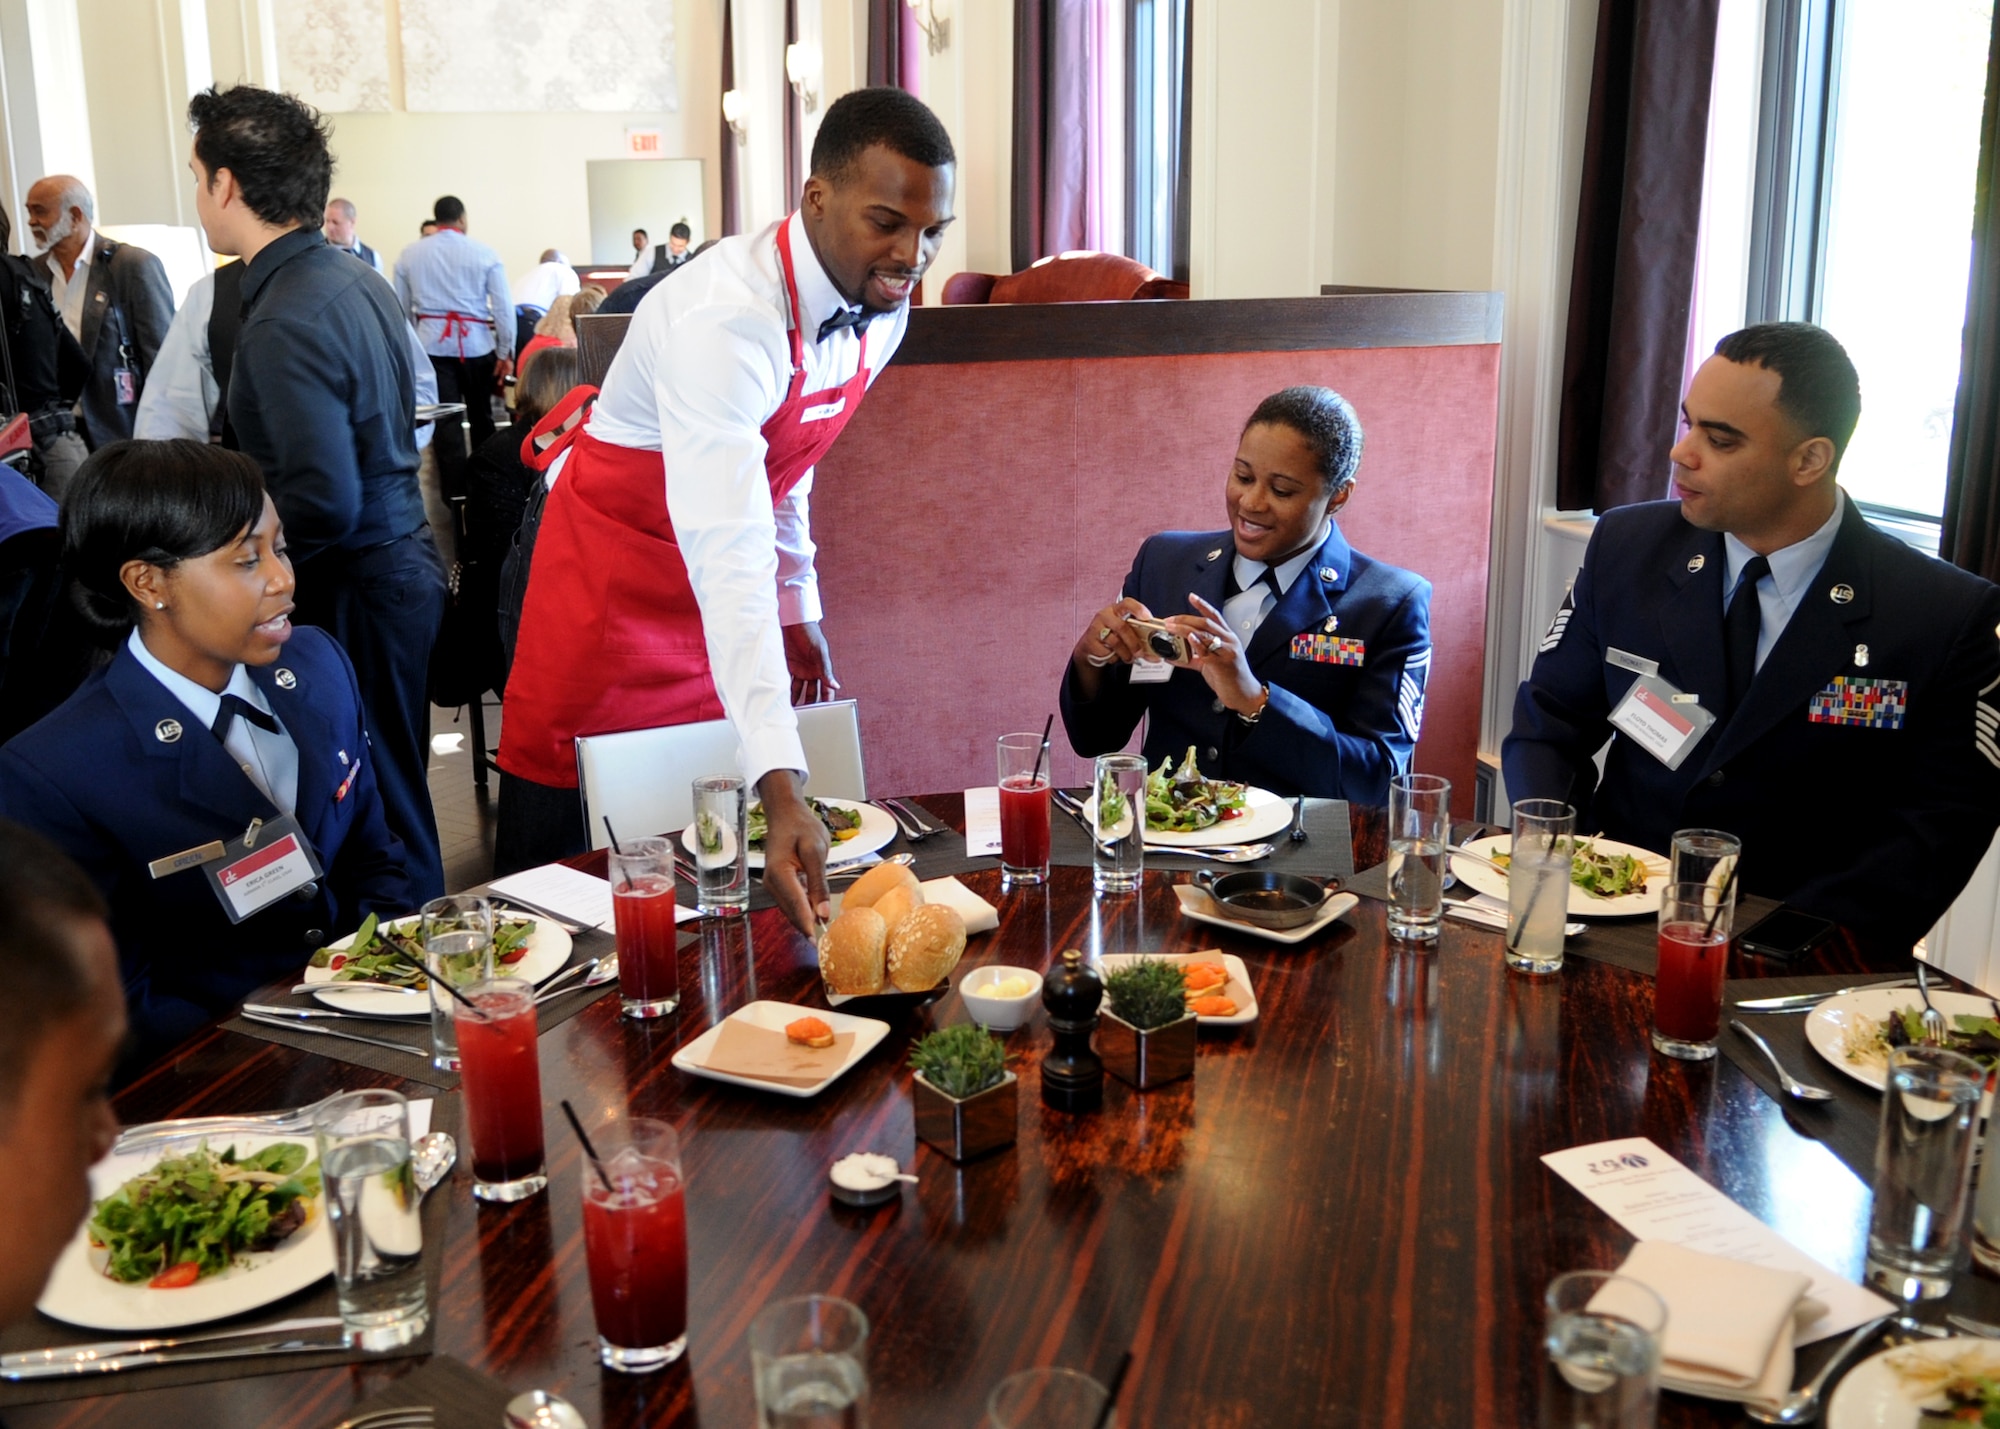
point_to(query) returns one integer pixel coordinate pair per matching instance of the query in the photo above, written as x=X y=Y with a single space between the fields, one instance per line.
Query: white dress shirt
x=450 y=273
x=271 y=761
x=1792 y=572
x=1254 y=598
x=542 y=284
x=705 y=363
x=643 y=264
x=181 y=392
x=68 y=292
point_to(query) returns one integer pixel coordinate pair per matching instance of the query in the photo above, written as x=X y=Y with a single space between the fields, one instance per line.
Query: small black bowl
x=1266 y=898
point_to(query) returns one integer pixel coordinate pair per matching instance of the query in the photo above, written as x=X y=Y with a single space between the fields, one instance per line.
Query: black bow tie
x=235 y=705
x=856 y=318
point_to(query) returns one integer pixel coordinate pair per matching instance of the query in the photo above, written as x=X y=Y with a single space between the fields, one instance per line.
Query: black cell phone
x=1784 y=933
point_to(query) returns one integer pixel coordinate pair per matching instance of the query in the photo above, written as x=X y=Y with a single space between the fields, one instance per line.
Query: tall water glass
x=721 y=845
x=1923 y=1163
x=809 y=1359
x=1706 y=856
x=1538 y=868
x=1024 y=810
x=1419 y=828
x=642 y=908
x=457 y=934
x=1986 y=1204
x=1119 y=860
x=1600 y=1352
x=635 y=1241
x=1695 y=925
x=372 y=1211
x=1047 y=1399
x=502 y=1073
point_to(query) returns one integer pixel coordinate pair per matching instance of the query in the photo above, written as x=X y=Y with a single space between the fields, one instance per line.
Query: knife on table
x=1806 y=1001
x=266 y=1021
x=108 y=1356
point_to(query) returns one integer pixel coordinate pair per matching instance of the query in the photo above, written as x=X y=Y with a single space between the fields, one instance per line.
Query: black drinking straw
x=583 y=1136
x=1721 y=902
x=1043 y=752
x=618 y=849
x=1111 y=1394
x=461 y=998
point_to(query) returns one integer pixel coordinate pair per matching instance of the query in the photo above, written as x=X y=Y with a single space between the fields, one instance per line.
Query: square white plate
x=1237 y=986
x=774 y=1015
x=1199 y=906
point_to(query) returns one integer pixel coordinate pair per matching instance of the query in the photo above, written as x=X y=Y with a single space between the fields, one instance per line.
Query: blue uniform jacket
x=1333 y=730
x=1875 y=823
x=99 y=779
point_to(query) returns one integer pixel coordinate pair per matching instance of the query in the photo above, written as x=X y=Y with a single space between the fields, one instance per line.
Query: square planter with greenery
x=967 y=1102
x=1147 y=1035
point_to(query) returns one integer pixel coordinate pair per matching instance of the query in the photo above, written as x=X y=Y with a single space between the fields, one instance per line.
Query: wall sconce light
x=802 y=68
x=736 y=109
x=936 y=27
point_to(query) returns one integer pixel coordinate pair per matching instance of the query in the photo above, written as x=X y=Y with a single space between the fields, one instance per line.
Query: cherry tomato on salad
x=176 y=1277
x=514 y=955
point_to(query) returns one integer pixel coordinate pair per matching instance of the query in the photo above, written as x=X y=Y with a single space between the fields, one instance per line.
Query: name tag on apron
x=1869 y=704
x=266 y=863
x=1661 y=720
x=824 y=410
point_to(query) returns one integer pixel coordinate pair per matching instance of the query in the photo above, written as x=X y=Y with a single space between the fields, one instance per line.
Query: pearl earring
x=159 y=605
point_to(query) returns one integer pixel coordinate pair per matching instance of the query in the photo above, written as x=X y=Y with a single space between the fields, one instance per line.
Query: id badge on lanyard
x=1661 y=720
x=268 y=861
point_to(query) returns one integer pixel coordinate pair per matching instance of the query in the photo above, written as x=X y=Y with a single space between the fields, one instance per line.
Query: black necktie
x=1740 y=628
x=1269 y=578
x=234 y=705
x=856 y=318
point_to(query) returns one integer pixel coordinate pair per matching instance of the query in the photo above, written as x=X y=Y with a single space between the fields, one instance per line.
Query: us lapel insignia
x=1861 y=657
x=167 y=731
x=1867 y=704
x=286 y=680
x=1328 y=574
x=1213 y=554
x=1842 y=593
x=1328 y=649
x=343 y=759
x=1695 y=563
x=1332 y=624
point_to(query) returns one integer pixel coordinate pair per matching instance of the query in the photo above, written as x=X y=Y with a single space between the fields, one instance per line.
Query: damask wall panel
x=499 y=56
x=334 y=54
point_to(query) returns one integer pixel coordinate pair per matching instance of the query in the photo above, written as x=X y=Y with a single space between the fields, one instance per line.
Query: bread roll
x=897 y=904
x=851 y=954
x=869 y=888
x=926 y=947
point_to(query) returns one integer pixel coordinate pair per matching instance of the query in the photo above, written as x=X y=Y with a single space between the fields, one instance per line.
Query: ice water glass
x=1419 y=828
x=1047 y=1399
x=1706 y=856
x=500 y=1065
x=1538 y=867
x=1695 y=925
x=643 y=909
x=1600 y=1352
x=372 y=1211
x=721 y=845
x=457 y=936
x=635 y=1242
x=1119 y=858
x=1024 y=810
x=1986 y=1205
x=809 y=1359
x=1923 y=1164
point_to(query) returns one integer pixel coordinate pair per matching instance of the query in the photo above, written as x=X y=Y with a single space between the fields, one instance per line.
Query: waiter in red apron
x=673 y=575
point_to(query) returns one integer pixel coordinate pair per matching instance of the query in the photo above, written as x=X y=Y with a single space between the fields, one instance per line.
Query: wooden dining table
x=1339 y=1219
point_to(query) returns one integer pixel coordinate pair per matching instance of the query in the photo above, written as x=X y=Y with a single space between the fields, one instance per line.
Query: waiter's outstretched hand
x=811 y=664
x=794 y=851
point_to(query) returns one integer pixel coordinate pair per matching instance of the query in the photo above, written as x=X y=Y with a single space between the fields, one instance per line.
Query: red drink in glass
x=1687 y=990
x=502 y=1076
x=643 y=907
x=1024 y=823
x=635 y=1242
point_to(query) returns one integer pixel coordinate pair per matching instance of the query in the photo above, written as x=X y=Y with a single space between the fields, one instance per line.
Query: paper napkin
x=979 y=915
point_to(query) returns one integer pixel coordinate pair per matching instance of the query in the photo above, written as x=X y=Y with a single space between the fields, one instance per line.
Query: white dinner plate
x=1199 y=906
x=548 y=950
x=1264 y=814
x=79 y=1292
x=1828 y=1024
x=1876 y=1395
x=877 y=831
x=1237 y=987
x=1482 y=879
x=776 y=1015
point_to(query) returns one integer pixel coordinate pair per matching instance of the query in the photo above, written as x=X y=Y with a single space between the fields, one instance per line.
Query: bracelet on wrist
x=1263 y=703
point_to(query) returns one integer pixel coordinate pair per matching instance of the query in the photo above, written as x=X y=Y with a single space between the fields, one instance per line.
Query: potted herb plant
x=967 y=1102
x=1147 y=1035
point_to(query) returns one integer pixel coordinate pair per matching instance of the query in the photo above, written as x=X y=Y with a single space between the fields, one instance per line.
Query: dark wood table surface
x=1339 y=1220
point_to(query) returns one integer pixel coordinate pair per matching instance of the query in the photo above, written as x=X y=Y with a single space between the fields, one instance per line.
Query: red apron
x=611 y=636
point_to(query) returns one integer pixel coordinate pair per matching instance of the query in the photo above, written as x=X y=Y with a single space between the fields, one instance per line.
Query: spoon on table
x=541 y=1409
x=1802 y=1406
x=599 y=972
x=1804 y=1091
x=1299 y=819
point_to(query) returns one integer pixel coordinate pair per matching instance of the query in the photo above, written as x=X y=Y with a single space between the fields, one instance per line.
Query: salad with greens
x=393 y=952
x=1601 y=875
x=191 y=1216
x=1181 y=801
x=841 y=824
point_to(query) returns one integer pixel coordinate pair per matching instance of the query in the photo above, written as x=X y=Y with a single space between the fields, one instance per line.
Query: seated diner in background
x=557 y=327
x=1307 y=659
x=214 y=714
x=64 y=1025
x=1764 y=661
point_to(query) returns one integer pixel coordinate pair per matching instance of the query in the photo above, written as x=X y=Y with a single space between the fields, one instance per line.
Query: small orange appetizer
x=1215 y=1005
x=810 y=1032
x=1204 y=977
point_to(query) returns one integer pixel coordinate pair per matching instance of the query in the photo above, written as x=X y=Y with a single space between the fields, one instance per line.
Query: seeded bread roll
x=897 y=904
x=851 y=954
x=869 y=888
x=926 y=947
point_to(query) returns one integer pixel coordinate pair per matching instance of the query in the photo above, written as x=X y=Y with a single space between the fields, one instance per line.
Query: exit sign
x=643 y=143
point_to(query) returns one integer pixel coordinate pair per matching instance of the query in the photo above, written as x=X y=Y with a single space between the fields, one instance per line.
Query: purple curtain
x=795 y=119
x=732 y=186
x=894 y=45
x=1971 y=534
x=1062 y=128
x=1638 y=220
x=1031 y=70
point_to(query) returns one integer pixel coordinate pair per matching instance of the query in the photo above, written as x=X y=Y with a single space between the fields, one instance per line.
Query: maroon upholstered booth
x=990 y=494
x=1078 y=277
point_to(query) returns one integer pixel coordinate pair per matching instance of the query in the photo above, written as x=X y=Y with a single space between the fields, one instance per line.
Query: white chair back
x=642 y=778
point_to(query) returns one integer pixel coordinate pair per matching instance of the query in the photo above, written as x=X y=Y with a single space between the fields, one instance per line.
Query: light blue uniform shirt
x=1254 y=598
x=270 y=760
x=450 y=273
x=1792 y=571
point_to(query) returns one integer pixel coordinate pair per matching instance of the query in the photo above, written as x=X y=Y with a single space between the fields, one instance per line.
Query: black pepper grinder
x=1072 y=1076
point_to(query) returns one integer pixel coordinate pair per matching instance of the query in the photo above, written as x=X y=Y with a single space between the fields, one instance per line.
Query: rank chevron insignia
x=1986 y=725
x=1560 y=623
x=1410 y=693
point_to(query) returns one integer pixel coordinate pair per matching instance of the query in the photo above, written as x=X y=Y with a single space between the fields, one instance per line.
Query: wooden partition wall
x=991 y=492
